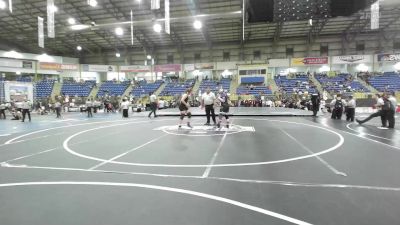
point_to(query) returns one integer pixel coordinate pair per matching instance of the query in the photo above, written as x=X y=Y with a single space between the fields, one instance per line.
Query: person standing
x=184 y=107
x=223 y=98
x=315 y=100
x=125 y=108
x=207 y=101
x=89 y=105
x=337 y=107
x=379 y=104
x=57 y=106
x=392 y=112
x=25 y=110
x=350 y=109
x=153 y=105
x=3 y=110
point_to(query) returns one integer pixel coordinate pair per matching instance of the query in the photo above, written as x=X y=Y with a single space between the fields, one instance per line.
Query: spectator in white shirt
x=125 y=106
x=207 y=102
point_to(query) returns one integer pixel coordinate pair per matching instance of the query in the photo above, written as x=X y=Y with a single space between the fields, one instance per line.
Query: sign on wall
x=69 y=67
x=188 y=67
x=279 y=63
x=309 y=61
x=168 y=68
x=98 y=68
x=388 y=57
x=27 y=64
x=135 y=68
x=50 y=66
x=204 y=66
x=351 y=59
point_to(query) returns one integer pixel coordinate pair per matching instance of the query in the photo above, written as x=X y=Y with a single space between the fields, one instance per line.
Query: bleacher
x=253 y=90
x=214 y=86
x=113 y=88
x=145 y=88
x=24 y=79
x=44 y=88
x=390 y=81
x=77 y=89
x=173 y=89
x=341 y=82
x=298 y=83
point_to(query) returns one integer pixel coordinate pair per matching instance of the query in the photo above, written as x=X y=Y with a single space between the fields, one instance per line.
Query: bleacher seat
x=44 y=88
x=390 y=81
x=252 y=80
x=112 y=88
x=339 y=83
x=225 y=83
x=77 y=89
x=145 y=88
x=173 y=89
x=299 y=83
x=255 y=90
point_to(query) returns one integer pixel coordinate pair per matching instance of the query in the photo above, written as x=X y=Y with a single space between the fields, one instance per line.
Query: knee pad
x=189 y=115
x=182 y=116
x=226 y=117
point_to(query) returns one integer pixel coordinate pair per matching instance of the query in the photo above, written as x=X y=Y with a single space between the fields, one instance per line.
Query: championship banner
x=388 y=57
x=98 y=68
x=167 y=19
x=204 y=66
x=351 y=59
x=135 y=68
x=50 y=19
x=69 y=67
x=155 y=4
x=50 y=66
x=168 y=68
x=310 y=61
x=40 y=32
x=188 y=67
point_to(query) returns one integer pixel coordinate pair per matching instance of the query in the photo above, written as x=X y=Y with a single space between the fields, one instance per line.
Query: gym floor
x=263 y=170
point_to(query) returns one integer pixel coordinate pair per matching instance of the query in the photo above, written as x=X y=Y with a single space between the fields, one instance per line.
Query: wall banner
x=204 y=66
x=310 y=61
x=168 y=68
x=188 y=67
x=50 y=66
x=99 y=68
x=388 y=57
x=135 y=68
x=69 y=67
x=351 y=59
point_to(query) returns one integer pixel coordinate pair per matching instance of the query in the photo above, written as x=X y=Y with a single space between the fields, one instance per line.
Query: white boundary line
x=127 y=152
x=333 y=169
x=53 y=128
x=275 y=182
x=208 y=169
x=340 y=143
x=363 y=133
x=168 y=189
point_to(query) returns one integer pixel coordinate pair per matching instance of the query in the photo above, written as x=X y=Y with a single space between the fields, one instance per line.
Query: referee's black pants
x=210 y=112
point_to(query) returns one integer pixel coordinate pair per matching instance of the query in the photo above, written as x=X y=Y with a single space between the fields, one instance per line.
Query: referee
x=153 y=105
x=207 y=101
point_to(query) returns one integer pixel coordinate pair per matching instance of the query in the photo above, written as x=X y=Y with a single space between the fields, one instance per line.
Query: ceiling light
x=362 y=68
x=157 y=28
x=197 y=24
x=92 y=3
x=139 y=1
x=71 y=21
x=13 y=54
x=397 y=66
x=2 y=4
x=79 y=48
x=149 y=57
x=53 y=8
x=119 y=31
x=79 y=27
x=45 y=58
x=117 y=54
x=18 y=73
